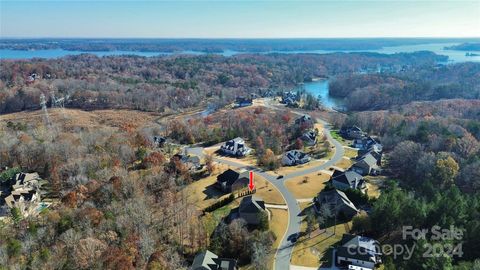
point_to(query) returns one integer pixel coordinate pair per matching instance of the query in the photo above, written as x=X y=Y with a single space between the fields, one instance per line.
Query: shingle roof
x=251 y=204
x=358 y=247
x=350 y=178
x=228 y=176
x=204 y=260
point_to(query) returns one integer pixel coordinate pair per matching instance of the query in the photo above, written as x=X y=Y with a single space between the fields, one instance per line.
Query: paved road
x=284 y=252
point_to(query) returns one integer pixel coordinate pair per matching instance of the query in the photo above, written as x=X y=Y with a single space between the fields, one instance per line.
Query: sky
x=239 y=19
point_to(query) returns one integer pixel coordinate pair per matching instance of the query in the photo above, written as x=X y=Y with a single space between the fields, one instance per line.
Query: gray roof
x=251 y=204
x=350 y=178
x=203 y=260
x=335 y=196
x=209 y=261
x=361 y=248
x=370 y=160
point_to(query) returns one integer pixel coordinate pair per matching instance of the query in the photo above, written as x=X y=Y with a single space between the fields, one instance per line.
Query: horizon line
x=252 y=38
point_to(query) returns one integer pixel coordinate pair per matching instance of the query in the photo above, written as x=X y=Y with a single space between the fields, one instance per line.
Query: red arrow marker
x=251 y=185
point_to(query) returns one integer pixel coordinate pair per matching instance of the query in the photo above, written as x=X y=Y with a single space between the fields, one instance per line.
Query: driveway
x=284 y=252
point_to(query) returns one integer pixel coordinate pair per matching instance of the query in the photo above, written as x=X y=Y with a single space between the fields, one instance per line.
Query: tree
x=470 y=176
x=310 y=218
x=403 y=159
x=446 y=169
x=16 y=214
x=298 y=144
x=361 y=223
x=263 y=225
x=324 y=215
x=269 y=160
x=209 y=163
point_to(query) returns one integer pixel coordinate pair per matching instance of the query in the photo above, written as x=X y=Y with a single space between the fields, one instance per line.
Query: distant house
x=230 y=180
x=243 y=102
x=352 y=132
x=358 y=251
x=349 y=179
x=295 y=157
x=251 y=210
x=31 y=78
x=367 y=165
x=22 y=192
x=191 y=162
x=304 y=120
x=309 y=137
x=235 y=147
x=290 y=98
x=337 y=202
x=208 y=260
x=159 y=141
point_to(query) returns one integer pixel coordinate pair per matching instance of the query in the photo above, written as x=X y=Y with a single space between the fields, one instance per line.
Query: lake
x=319 y=88
x=454 y=56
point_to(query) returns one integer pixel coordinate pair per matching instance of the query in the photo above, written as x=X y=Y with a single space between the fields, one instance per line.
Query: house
x=159 y=141
x=25 y=180
x=290 y=98
x=304 y=120
x=349 y=179
x=295 y=157
x=22 y=192
x=337 y=202
x=191 y=162
x=367 y=143
x=309 y=137
x=251 y=210
x=25 y=199
x=243 y=102
x=374 y=152
x=208 y=260
x=32 y=77
x=235 y=147
x=352 y=132
x=358 y=251
x=367 y=165
x=230 y=181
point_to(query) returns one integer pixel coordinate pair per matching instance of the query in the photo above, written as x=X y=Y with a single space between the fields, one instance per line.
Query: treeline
x=467 y=46
x=382 y=91
x=165 y=84
x=213 y=45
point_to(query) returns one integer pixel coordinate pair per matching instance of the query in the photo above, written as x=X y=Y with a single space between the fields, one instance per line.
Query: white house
x=235 y=147
x=294 y=157
x=358 y=251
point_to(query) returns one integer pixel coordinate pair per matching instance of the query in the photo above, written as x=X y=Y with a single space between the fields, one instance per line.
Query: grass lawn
x=278 y=224
x=202 y=193
x=315 y=182
x=339 y=138
x=350 y=153
x=289 y=169
x=267 y=191
x=313 y=251
x=344 y=163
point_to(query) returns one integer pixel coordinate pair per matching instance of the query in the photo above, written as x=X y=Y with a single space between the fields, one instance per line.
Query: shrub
x=220 y=203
